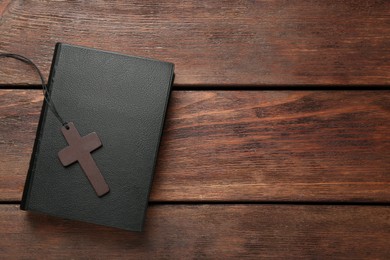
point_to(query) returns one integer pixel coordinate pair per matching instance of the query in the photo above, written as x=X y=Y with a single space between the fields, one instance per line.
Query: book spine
x=34 y=154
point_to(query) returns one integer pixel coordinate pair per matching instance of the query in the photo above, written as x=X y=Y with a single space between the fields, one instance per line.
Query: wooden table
x=277 y=142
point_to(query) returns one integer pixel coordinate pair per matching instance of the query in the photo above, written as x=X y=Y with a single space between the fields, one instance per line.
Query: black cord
x=46 y=94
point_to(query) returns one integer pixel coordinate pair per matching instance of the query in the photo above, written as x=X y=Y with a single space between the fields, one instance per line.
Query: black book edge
x=162 y=125
x=39 y=133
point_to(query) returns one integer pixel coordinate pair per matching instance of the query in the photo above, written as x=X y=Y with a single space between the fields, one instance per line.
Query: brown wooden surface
x=206 y=231
x=214 y=42
x=244 y=145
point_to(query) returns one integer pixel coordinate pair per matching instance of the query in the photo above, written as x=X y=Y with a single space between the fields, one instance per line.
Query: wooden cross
x=79 y=150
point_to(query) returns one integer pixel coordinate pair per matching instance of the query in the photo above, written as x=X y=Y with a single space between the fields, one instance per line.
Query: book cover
x=123 y=99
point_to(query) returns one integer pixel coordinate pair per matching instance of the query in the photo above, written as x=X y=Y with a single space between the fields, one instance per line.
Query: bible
x=99 y=165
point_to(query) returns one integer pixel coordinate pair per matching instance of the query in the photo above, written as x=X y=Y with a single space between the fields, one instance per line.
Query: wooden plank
x=243 y=145
x=215 y=42
x=206 y=231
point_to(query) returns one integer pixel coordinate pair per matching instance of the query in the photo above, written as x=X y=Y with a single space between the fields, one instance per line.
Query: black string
x=46 y=94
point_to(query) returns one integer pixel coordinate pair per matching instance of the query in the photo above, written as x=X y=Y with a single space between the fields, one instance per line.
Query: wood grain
x=206 y=231
x=243 y=145
x=215 y=42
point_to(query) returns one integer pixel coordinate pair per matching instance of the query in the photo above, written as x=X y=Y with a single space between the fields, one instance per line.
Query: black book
x=121 y=98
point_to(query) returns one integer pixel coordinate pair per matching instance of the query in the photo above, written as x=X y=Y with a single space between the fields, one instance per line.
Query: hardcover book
x=99 y=168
